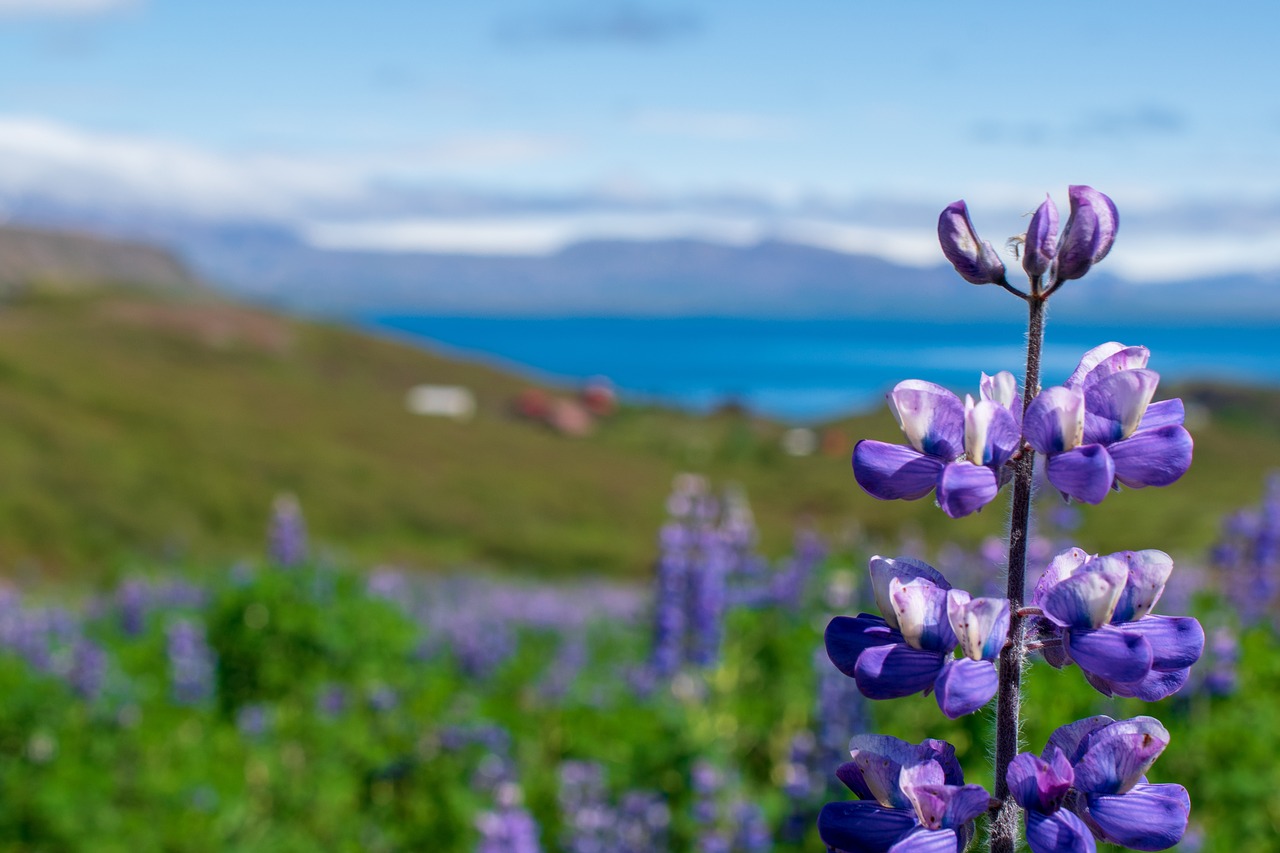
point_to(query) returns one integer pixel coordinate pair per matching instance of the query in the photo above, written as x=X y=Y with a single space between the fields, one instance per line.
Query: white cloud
x=69 y=8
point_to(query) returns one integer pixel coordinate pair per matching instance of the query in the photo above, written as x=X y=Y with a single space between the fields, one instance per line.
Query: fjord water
x=812 y=369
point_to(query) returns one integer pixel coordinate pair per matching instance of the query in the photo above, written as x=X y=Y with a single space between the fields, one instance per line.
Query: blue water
x=809 y=370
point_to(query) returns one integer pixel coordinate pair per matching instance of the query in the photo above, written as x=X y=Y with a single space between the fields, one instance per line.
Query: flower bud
x=1041 y=246
x=1091 y=229
x=972 y=257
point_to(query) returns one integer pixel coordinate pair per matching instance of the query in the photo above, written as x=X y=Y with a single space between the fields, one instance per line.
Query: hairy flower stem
x=1004 y=822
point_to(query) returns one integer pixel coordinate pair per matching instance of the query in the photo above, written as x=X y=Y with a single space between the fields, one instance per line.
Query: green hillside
x=142 y=426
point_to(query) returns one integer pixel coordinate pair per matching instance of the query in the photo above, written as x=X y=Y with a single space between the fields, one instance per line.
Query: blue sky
x=510 y=125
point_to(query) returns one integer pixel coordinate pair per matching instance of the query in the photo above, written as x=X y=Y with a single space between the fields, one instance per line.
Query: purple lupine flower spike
x=956 y=448
x=1089 y=232
x=974 y=258
x=1041 y=247
x=1101 y=429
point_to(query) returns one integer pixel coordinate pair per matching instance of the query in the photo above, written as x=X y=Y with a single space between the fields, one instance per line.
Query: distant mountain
x=68 y=259
x=271 y=265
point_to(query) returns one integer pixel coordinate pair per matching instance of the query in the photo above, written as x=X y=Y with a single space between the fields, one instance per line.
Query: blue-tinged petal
x=847 y=637
x=851 y=775
x=991 y=434
x=1054 y=422
x=891 y=672
x=932 y=749
x=1158 y=684
x=1153 y=457
x=965 y=488
x=1102 y=361
x=931 y=417
x=981 y=625
x=1089 y=232
x=1092 y=359
x=1002 y=389
x=1087 y=597
x=1060 y=832
x=884 y=569
x=1113 y=759
x=1063 y=566
x=920 y=607
x=1111 y=653
x=1149 y=571
x=1041 y=246
x=1072 y=737
x=863 y=827
x=893 y=472
x=880 y=759
x=1085 y=473
x=1176 y=641
x=964 y=686
x=974 y=258
x=1039 y=785
x=921 y=840
x=1148 y=817
x=1163 y=413
x=1114 y=406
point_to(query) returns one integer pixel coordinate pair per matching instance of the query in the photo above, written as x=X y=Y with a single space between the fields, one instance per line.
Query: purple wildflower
x=287 y=533
x=668 y=606
x=508 y=828
x=974 y=258
x=910 y=798
x=956 y=448
x=1097 y=615
x=192 y=663
x=1100 y=430
x=88 y=669
x=909 y=650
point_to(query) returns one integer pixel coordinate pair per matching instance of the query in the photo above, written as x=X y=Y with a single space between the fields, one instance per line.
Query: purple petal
x=1002 y=389
x=1085 y=473
x=944 y=753
x=964 y=686
x=1038 y=785
x=893 y=472
x=1063 y=566
x=921 y=840
x=1115 y=405
x=1149 y=571
x=1104 y=360
x=1153 y=457
x=883 y=570
x=847 y=637
x=851 y=775
x=1072 y=738
x=965 y=488
x=1087 y=597
x=920 y=608
x=1163 y=413
x=975 y=259
x=1042 y=239
x=1111 y=653
x=1177 y=641
x=1148 y=817
x=1113 y=759
x=981 y=625
x=863 y=827
x=891 y=672
x=1089 y=232
x=991 y=434
x=931 y=417
x=1054 y=422
x=1155 y=686
x=880 y=759
x=1060 y=832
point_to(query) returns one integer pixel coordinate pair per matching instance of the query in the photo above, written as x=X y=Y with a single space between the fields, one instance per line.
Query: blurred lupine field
x=295 y=703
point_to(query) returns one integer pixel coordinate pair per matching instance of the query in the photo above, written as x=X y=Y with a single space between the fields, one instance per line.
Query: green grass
x=140 y=426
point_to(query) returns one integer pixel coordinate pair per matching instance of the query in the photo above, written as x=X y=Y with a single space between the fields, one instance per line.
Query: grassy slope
x=135 y=426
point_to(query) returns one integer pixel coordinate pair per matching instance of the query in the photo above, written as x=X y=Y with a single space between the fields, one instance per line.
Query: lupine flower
x=287 y=533
x=958 y=448
x=88 y=669
x=643 y=822
x=1040 y=785
x=1089 y=233
x=1224 y=654
x=974 y=258
x=910 y=798
x=707 y=598
x=1101 y=430
x=909 y=650
x=508 y=828
x=668 y=603
x=1109 y=760
x=192 y=663
x=1097 y=611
